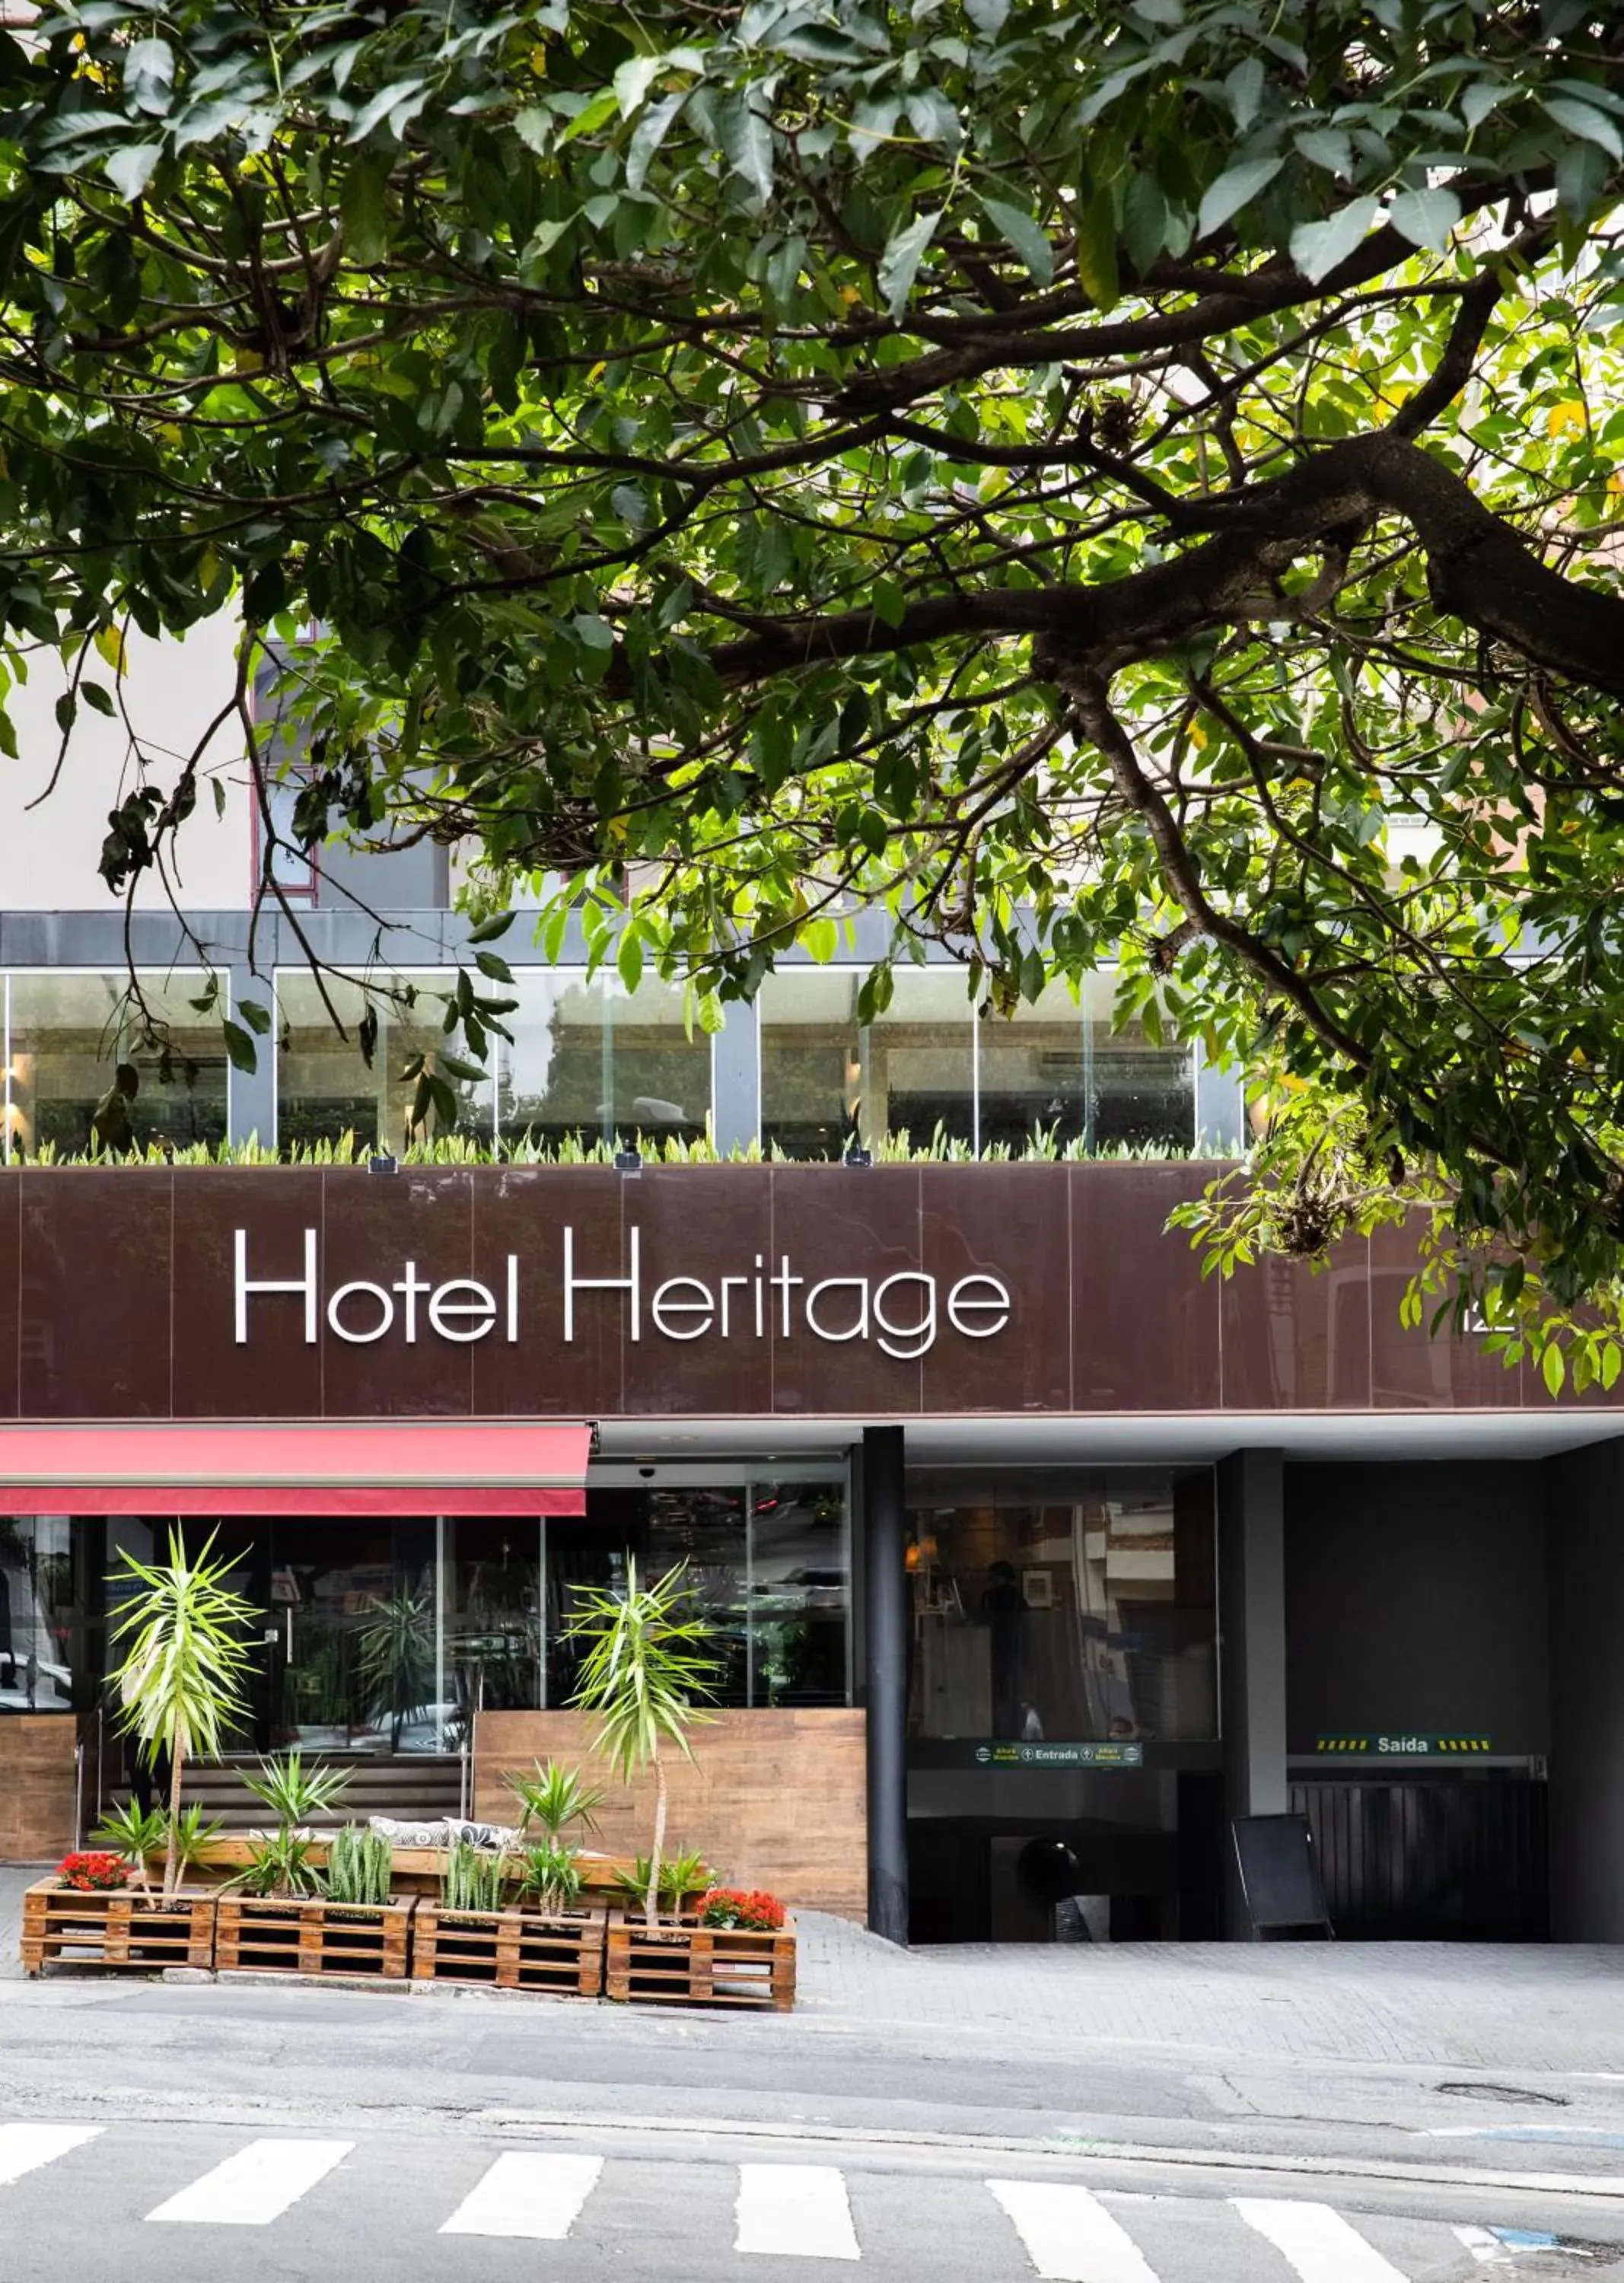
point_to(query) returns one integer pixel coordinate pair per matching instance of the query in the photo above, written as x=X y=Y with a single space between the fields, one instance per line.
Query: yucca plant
x=679 y=1876
x=549 y=1876
x=554 y=1798
x=648 y=1659
x=136 y=1832
x=473 y=1879
x=360 y=1867
x=180 y=1681
x=293 y=1793
x=193 y=1836
x=394 y=1645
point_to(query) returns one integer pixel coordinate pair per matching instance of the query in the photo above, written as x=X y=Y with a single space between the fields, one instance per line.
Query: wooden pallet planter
x=261 y=1933
x=119 y=1930
x=693 y=1965
x=514 y=1949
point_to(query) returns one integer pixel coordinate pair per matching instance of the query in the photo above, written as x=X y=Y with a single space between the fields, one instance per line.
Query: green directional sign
x=1401 y=1744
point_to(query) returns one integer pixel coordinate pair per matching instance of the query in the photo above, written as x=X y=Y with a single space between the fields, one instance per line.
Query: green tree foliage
x=1085 y=478
x=179 y=1681
x=649 y=1667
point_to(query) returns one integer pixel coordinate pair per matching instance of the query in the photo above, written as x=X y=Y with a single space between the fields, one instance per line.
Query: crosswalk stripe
x=540 y=2197
x=255 y=2185
x=25 y=2148
x=1486 y=2249
x=1069 y=2235
x=795 y=2211
x=1317 y=2241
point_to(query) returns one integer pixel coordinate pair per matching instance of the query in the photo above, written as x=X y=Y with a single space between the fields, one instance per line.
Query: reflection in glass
x=1057 y=1066
x=324 y=1086
x=493 y=1590
x=801 y=1593
x=1065 y=1608
x=41 y=1614
x=80 y=1057
x=825 y=1081
x=919 y=1078
x=591 y=1058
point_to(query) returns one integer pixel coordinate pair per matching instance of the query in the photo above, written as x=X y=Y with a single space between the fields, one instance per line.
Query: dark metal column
x=886 y=1671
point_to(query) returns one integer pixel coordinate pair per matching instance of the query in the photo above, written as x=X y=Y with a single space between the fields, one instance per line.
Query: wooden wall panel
x=774 y=1799
x=36 y=1785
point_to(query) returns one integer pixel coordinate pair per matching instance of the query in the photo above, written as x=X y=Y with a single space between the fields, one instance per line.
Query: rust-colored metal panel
x=1013 y=1232
x=1294 y=1341
x=275 y=1373
x=848 y=1230
x=704 y=1236
x=526 y=1214
x=1145 y=1328
x=96 y=1293
x=390 y=1243
x=1409 y=1370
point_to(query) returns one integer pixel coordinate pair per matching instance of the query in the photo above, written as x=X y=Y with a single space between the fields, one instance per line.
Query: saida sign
x=1372 y=1744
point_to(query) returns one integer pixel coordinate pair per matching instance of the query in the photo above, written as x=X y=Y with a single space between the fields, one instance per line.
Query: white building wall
x=171 y=691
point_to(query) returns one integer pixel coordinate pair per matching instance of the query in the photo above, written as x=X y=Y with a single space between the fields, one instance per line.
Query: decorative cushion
x=407 y=1835
x=480 y=1835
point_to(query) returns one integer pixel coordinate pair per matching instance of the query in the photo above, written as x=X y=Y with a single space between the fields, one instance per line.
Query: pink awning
x=215 y=1467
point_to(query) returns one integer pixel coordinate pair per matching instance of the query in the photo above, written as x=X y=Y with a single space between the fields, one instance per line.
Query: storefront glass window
x=41 y=1614
x=1057 y=1067
x=493 y=1589
x=1069 y=1608
x=918 y=1075
x=83 y=1063
x=825 y=1082
x=324 y=1086
x=769 y=1570
x=590 y=1058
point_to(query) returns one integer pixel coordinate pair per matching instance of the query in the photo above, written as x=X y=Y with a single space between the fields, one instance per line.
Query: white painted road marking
x=540 y=2197
x=25 y=2148
x=1317 y=2241
x=1484 y=2247
x=1069 y=2235
x=255 y=2185
x=795 y=2211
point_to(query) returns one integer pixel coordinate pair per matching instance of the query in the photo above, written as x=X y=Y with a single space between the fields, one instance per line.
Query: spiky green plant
x=193 y=1834
x=648 y=1662
x=293 y=1793
x=180 y=1680
x=549 y=1876
x=360 y=1867
x=394 y=1656
x=473 y=1879
x=136 y=1832
x=679 y=1876
x=554 y=1798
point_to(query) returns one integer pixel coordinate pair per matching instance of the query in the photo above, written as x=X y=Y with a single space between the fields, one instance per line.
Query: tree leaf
x=1029 y=240
x=364 y=207
x=1328 y=147
x=746 y=139
x=649 y=133
x=1145 y=223
x=628 y=959
x=256 y=1016
x=1583 y=120
x=130 y=169
x=1318 y=246
x=899 y=264
x=1426 y=217
x=1097 y=251
x=491 y=930
x=989 y=17
x=1235 y=188
x=239 y=1047
x=596 y=112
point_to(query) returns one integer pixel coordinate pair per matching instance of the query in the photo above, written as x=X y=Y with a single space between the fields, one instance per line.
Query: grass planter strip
x=263 y=1934
x=118 y=1928
x=512 y=1949
x=693 y=1965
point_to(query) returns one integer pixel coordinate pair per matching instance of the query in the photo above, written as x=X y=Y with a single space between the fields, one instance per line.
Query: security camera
x=647 y=1473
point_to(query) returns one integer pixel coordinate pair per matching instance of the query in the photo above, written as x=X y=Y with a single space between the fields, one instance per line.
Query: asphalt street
x=180 y=2130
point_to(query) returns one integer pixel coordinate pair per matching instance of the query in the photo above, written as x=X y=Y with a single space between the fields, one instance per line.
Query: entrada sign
x=903 y=1314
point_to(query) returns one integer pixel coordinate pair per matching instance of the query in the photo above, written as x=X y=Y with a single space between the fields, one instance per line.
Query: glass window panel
x=70 y=1036
x=918 y=1056
x=593 y=1059
x=1065 y=1608
x=1138 y=1093
x=41 y=1614
x=799 y=1593
x=493 y=1592
x=657 y=1528
x=324 y=1086
x=812 y=1075
x=1032 y=1072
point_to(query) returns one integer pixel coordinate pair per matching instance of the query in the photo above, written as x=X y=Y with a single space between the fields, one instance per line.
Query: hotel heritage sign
x=903 y=1313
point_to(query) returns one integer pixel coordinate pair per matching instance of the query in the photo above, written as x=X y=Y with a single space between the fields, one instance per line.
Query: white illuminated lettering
x=781 y=1283
x=962 y=1302
x=471 y=1319
x=727 y=1283
x=512 y=1295
x=305 y=1284
x=410 y=1286
x=574 y=1283
x=386 y=1314
x=704 y=1307
x=923 y=1332
x=858 y=1328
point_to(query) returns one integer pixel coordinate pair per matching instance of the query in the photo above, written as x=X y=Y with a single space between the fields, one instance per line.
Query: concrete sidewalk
x=1426 y=2005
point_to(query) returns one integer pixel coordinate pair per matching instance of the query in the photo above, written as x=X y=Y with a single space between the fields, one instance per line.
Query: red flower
x=94 y=1872
x=751 y=1908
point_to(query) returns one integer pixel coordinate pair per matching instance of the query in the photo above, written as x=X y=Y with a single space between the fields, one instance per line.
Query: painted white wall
x=172 y=689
